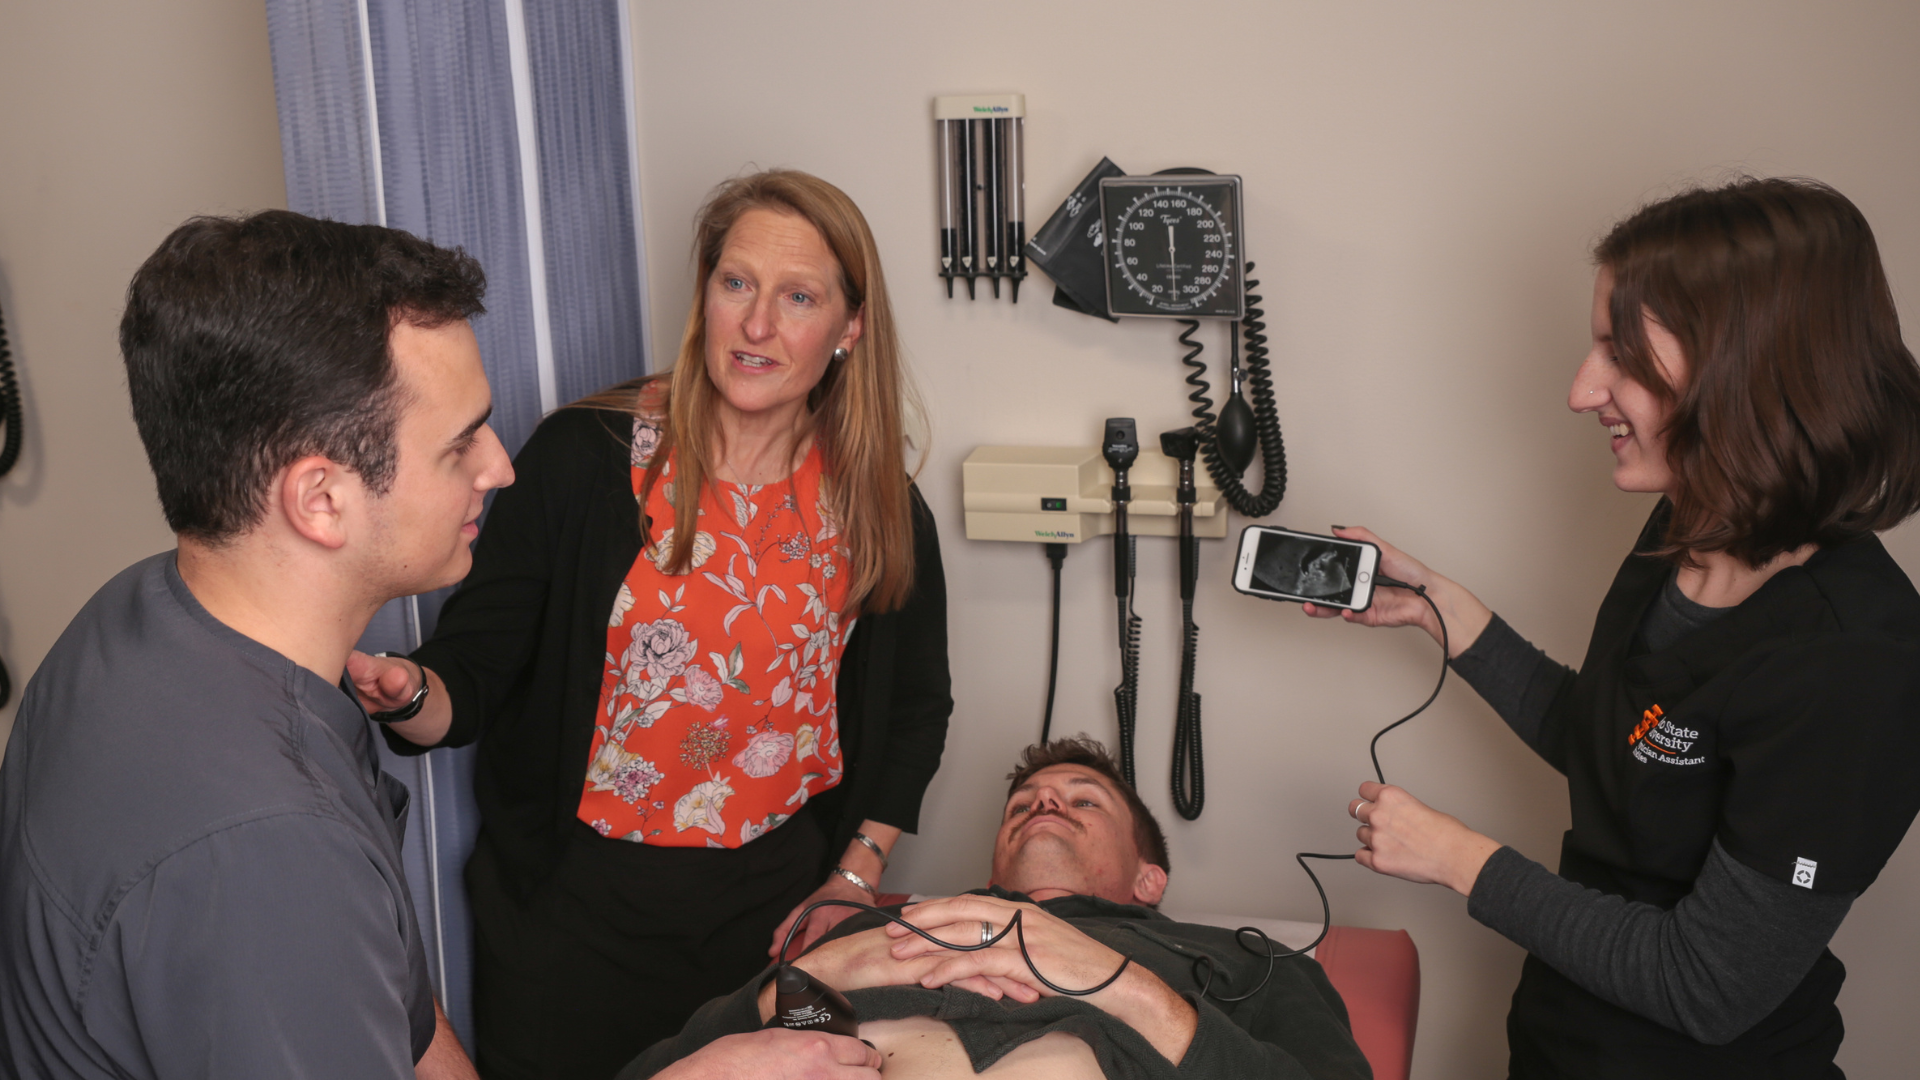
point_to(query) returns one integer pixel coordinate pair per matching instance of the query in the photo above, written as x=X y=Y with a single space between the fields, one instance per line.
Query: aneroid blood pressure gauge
x=1173 y=246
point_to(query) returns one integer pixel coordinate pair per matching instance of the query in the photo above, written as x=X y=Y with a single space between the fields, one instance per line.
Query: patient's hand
x=1068 y=957
x=858 y=961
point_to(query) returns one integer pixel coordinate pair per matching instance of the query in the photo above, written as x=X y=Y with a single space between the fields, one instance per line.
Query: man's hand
x=779 y=1054
x=1405 y=838
x=1068 y=957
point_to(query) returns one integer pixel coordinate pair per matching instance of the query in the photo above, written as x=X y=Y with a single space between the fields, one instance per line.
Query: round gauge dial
x=1173 y=246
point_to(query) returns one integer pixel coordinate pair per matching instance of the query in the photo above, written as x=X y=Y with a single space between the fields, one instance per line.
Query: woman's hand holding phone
x=1466 y=616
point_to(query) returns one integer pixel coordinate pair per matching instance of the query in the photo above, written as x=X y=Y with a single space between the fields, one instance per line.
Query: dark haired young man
x=199 y=855
x=1083 y=862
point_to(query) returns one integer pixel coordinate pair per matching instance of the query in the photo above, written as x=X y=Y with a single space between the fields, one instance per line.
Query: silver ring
x=986 y=931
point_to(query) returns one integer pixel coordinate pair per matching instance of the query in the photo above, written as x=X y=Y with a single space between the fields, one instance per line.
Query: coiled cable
x=10 y=440
x=1189 y=776
x=10 y=410
x=1126 y=696
x=1197 y=378
x=1266 y=415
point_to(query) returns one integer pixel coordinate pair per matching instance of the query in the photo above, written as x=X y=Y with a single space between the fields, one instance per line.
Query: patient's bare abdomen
x=922 y=1048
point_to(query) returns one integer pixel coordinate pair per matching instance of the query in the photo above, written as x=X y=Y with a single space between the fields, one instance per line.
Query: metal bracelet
x=857 y=880
x=412 y=708
x=873 y=847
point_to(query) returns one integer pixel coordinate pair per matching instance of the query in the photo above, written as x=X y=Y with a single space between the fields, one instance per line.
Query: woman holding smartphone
x=1742 y=741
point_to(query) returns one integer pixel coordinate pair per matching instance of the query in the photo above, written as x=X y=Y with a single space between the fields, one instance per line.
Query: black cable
x=1373 y=751
x=1056 y=554
x=1015 y=928
x=1373 y=748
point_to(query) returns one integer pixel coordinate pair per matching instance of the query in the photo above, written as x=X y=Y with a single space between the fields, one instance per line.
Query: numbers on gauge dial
x=1172 y=248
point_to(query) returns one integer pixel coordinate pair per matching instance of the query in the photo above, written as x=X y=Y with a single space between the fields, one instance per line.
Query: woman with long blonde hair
x=705 y=640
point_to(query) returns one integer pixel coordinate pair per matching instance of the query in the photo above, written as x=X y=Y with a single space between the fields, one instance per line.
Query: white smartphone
x=1280 y=564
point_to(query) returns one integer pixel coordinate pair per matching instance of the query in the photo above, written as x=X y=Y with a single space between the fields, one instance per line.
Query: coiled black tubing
x=1189 y=777
x=1266 y=414
x=1126 y=696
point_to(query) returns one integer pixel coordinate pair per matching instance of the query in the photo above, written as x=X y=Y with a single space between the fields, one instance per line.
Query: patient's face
x=1066 y=830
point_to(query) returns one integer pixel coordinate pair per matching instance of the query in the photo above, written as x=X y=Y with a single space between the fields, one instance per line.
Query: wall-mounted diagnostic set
x=983 y=219
x=1165 y=246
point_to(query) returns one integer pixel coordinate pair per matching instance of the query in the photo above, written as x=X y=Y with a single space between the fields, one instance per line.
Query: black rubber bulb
x=1235 y=434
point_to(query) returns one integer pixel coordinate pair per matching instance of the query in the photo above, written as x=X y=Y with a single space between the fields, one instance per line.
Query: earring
x=839 y=355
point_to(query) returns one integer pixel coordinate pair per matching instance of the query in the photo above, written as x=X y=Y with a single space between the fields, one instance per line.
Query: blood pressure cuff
x=1823 y=743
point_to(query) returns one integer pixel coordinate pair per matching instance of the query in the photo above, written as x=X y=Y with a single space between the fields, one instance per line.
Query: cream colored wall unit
x=1060 y=495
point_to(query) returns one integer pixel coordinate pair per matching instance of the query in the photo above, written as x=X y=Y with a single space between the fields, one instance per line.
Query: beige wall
x=1422 y=183
x=117 y=121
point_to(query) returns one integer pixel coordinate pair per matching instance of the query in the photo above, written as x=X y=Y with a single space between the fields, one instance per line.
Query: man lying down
x=1085 y=861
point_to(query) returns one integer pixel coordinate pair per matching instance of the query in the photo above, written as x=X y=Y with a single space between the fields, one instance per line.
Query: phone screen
x=1306 y=566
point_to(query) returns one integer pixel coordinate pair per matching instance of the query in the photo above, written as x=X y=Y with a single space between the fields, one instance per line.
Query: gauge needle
x=1173 y=264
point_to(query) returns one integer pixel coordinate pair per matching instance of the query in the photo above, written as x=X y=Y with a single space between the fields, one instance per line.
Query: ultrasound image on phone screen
x=1306 y=567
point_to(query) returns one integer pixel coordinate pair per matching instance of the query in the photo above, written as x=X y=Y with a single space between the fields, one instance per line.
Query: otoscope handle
x=1183 y=445
x=1122 y=553
x=1189 y=556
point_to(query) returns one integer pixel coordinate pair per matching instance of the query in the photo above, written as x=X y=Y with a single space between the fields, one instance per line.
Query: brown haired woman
x=705 y=640
x=1740 y=744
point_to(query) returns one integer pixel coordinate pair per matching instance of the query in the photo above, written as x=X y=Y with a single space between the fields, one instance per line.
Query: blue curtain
x=501 y=127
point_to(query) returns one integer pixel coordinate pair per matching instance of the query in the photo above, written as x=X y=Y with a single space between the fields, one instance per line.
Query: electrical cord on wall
x=1056 y=554
x=10 y=439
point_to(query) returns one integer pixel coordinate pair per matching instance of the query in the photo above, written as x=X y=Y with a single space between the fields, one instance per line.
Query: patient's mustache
x=1053 y=812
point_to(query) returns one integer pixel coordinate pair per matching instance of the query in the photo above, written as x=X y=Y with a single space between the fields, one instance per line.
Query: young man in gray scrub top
x=199 y=855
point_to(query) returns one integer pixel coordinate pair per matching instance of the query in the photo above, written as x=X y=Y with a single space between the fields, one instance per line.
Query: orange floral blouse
x=717 y=710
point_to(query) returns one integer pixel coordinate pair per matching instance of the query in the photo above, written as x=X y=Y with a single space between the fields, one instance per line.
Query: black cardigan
x=520 y=647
